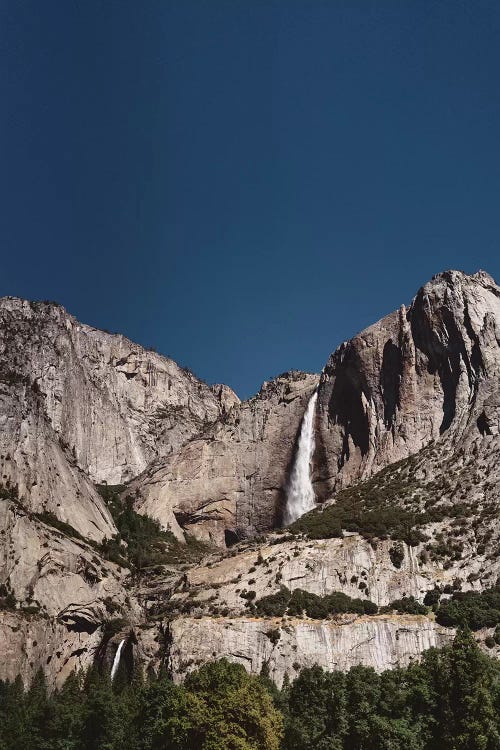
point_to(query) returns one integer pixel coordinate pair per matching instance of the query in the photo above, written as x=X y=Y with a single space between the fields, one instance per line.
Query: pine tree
x=163 y=721
x=66 y=715
x=363 y=697
x=101 y=729
x=36 y=712
x=16 y=729
x=476 y=725
x=317 y=711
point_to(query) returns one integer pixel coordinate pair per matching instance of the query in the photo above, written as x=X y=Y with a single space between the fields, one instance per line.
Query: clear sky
x=245 y=184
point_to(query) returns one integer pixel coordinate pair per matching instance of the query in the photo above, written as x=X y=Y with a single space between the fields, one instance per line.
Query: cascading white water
x=300 y=494
x=116 y=660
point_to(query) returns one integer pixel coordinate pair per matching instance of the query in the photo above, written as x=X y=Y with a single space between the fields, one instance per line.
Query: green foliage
x=317 y=711
x=299 y=602
x=431 y=599
x=274 y=605
x=65 y=528
x=448 y=701
x=236 y=709
x=274 y=635
x=408 y=605
x=389 y=505
x=368 y=509
x=472 y=608
x=7 y=597
x=9 y=493
x=111 y=494
x=113 y=626
x=397 y=555
x=141 y=542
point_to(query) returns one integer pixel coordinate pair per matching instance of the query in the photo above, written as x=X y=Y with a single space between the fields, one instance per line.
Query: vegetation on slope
x=299 y=602
x=141 y=542
x=472 y=608
x=449 y=701
x=393 y=504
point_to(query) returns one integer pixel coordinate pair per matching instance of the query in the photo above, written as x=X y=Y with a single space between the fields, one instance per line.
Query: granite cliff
x=416 y=375
x=405 y=469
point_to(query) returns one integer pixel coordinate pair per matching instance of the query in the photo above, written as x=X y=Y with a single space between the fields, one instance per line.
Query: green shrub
x=369 y=509
x=7 y=598
x=146 y=542
x=274 y=635
x=31 y=609
x=407 y=605
x=50 y=519
x=432 y=597
x=300 y=602
x=9 y=493
x=274 y=605
x=390 y=505
x=397 y=555
x=472 y=608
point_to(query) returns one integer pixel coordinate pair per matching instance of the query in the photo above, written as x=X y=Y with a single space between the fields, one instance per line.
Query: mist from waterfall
x=116 y=660
x=300 y=494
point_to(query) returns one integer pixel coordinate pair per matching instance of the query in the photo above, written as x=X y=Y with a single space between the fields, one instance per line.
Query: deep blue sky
x=245 y=184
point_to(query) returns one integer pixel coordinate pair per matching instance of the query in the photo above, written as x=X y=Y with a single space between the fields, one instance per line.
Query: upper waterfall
x=116 y=660
x=300 y=494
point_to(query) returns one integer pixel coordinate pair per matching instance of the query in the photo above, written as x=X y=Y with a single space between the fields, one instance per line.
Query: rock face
x=78 y=405
x=321 y=567
x=425 y=374
x=35 y=461
x=230 y=481
x=416 y=395
x=114 y=405
x=65 y=592
x=63 y=577
x=30 y=643
x=379 y=642
x=415 y=375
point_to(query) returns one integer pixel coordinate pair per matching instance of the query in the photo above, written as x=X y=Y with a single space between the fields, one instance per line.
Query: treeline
x=448 y=701
x=471 y=609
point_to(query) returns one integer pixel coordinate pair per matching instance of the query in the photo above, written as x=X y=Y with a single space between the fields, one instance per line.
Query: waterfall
x=116 y=660
x=300 y=493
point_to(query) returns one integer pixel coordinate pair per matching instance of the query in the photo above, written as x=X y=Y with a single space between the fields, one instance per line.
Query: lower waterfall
x=116 y=660
x=300 y=494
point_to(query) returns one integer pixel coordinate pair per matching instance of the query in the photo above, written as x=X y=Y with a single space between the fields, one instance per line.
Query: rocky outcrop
x=31 y=642
x=412 y=377
x=230 y=481
x=35 y=462
x=62 y=594
x=417 y=393
x=113 y=405
x=284 y=648
x=350 y=565
x=65 y=578
x=425 y=374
